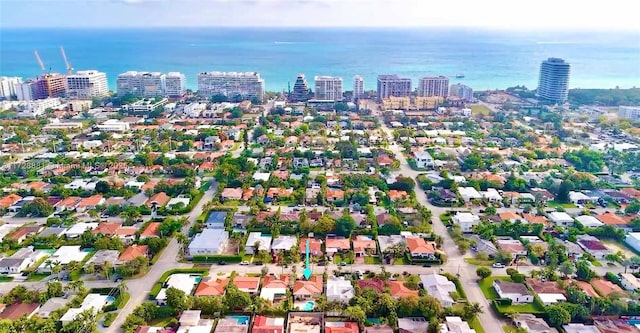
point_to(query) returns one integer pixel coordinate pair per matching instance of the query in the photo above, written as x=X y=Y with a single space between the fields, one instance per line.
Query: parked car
x=497 y=265
x=426 y=265
x=222 y=263
x=343 y=264
x=258 y=263
x=244 y=263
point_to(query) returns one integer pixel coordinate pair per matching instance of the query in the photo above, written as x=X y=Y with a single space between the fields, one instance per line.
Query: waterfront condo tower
x=358 y=87
x=8 y=86
x=430 y=86
x=87 y=85
x=461 y=91
x=50 y=85
x=328 y=88
x=175 y=84
x=300 y=91
x=235 y=86
x=554 y=80
x=393 y=85
x=141 y=84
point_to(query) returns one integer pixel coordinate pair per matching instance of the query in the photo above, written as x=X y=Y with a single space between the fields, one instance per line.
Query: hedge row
x=119 y=303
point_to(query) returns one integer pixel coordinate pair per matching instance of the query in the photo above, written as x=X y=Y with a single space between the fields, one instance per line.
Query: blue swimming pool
x=309 y=306
x=633 y=321
x=242 y=320
x=111 y=299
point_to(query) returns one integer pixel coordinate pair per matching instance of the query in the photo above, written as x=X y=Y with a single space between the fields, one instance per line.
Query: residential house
x=23 y=233
x=580 y=328
x=378 y=328
x=308 y=289
x=363 y=245
x=263 y=241
x=131 y=253
x=398 y=289
x=439 y=287
x=513 y=246
x=606 y=287
x=216 y=220
x=92 y=302
x=63 y=256
x=151 y=230
x=413 y=325
x=589 y=221
x=483 y=245
x=516 y=292
x=419 y=248
x=274 y=287
x=9 y=200
x=305 y=323
x=18 y=310
x=247 y=284
x=102 y=257
x=618 y=325
x=50 y=306
x=424 y=160
x=509 y=217
x=333 y=195
x=549 y=292
x=159 y=199
x=395 y=195
x=230 y=193
x=574 y=251
x=284 y=243
x=335 y=245
x=90 y=202
x=211 y=287
x=629 y=282
x=341 y=327
x=21 y=260
x=469 y=193
x=532 y=324
x=315 y=246
x=339 y=290
x=593 y=246
x=455 y=325
x=466 y=221
x=609 y=218
x=209 y=241
x=68 y=203
x=264 y=324
x=386 y=242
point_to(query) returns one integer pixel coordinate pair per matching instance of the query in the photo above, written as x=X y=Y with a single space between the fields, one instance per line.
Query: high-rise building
x=87 y=85
x=50 y=86
x=358 y=87
x=142 y=84
x=300 y=91
x=25 y=91
x=235 y=86
x=629 y=112
x=393 y=85
x=153 y=84
x=328 y=88
x=8 y=86
x=461 y=91
x=129 y=83
x=175 y=84
x=434 y=86
x=554 y=80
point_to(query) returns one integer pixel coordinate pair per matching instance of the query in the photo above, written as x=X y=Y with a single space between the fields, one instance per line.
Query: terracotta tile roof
x=262 y=324
x=247 y=194
x=349 y=327
x=611 y=219
x=278 y=192
x=107 y=228
x=311 y=287
x=211 y=287
x=545 y=287
x=16 y=310
x=149 y=185
x=281 y=174
x=341 y=243
x=398 y=289
x=509 y=216
x=530 y=218
x=24 y=231
x=585 y=286
x=336 y=194
x=617 y=325
x=631 y=191
x=605 y=288
x=232 y=193
x=91 y=201
x=206 y=165
x=8 y=200
x=126 y=231
x=160 y=199
x=417 y=245
x=271 y=281
x=247 y=282
x=375 y=284
x=395 y=194
x=384 y=160
x=151 y=230
x=362 y=243
x=133 y=252
x=315 y=245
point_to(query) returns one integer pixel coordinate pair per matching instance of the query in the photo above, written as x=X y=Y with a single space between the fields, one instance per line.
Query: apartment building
x=87 y=85
x=393 y=85
x=434 y=86
x=233 y=85
x=328 y=88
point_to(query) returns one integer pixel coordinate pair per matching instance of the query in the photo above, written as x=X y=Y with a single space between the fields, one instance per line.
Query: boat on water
x=459 y=76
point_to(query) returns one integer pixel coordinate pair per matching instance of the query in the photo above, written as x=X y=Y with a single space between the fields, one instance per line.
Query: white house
x=633 y=240
x=79 y=228
x=629 y=282
x=439 y=287
x=339 y=289
x=561 y=219
x=455 y=325
x=589 y=221
x=469 y=193
x=492 y=195
x=580 y=328
x=113 y=125
x=93 y=302
x=209 y=241
x=516 y=292
x=579 y=198
x=284 y=243
x=63 y=256
x=424 y=160
x=257 y=237
x=20 y=260
x=465 y=220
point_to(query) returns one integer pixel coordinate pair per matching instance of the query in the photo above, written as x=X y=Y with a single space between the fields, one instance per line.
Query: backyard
x=486 y=285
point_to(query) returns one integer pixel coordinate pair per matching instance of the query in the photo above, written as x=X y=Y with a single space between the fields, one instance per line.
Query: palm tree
x=122 y=288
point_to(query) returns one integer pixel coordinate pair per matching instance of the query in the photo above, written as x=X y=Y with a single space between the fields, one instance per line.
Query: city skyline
x=314 y=13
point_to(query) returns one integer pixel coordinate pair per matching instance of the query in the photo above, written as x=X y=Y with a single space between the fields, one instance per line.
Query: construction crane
x=39 y=60
x=66 y=62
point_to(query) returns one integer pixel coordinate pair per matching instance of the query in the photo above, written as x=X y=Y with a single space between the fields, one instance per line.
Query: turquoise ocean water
x=488 y=59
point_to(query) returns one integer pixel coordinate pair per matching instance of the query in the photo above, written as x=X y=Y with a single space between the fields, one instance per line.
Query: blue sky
x=490 y=14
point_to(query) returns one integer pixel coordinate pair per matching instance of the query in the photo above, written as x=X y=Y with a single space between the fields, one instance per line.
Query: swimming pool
x=309 y=306
x=242 y=320
x=111 y=299
x=196 y=278
x=633 y=321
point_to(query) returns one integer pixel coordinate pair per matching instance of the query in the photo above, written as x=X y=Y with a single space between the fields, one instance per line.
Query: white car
x=497 y=265
x=244 y=263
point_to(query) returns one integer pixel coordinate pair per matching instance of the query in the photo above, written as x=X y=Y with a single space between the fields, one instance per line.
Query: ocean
x=487 y=59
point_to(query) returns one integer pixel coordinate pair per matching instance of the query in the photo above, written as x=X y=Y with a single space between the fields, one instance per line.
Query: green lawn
x=372 y=260
x=401 y=261
x=509 y=329
x=486 y=285
x=554 y=204
x=480 y=109
x=596 y=263
x=478 y=262
x=490 y=294
x=4 y=278
x=522 y=308
x=475 y=324
x=337 y=259
x=34 y=277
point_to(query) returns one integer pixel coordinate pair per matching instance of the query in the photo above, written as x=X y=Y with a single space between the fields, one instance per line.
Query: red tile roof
x=211 y=288
x=16 y=310
x=417 y=245
x=263 y=324
x=398 y=289
x=375 y=284
x=151 y=230
x=611 y=219
x=311 y=287
x=8 y=200
x=133 y=252
x=160 y=199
